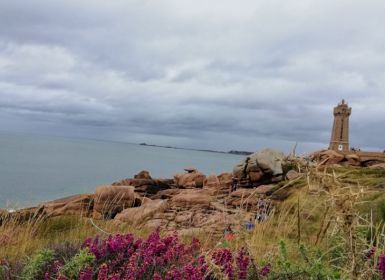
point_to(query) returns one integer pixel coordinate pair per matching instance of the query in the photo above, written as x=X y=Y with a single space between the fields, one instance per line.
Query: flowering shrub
x=381 y=265
x=36 y=265
x=121 y=256
x=159 y=258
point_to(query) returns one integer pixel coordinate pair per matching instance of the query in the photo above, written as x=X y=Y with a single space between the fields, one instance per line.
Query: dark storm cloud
x=188 y=73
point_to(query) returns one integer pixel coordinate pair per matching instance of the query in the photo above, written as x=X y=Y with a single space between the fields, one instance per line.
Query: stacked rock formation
x=262 y=167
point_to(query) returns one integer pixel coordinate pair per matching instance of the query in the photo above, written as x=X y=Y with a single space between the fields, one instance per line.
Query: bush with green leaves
x=72 y=268
x=312 y=264
x=37 y=265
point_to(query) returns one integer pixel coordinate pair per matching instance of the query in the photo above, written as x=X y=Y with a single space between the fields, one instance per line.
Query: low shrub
x=121 y=256
x=37 y=264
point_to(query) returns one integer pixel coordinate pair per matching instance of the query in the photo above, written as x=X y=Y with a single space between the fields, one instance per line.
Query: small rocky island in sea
x=234 y=152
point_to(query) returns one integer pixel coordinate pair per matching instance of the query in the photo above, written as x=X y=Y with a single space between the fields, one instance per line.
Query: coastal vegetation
x=330 y=226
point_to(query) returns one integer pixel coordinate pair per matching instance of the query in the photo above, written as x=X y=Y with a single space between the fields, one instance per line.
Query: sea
x=34 y=169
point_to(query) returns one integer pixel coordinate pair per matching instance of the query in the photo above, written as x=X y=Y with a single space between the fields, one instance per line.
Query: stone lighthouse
x=340 y=133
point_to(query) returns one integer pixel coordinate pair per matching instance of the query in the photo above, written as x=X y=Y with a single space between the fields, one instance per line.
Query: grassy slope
x=319 y=212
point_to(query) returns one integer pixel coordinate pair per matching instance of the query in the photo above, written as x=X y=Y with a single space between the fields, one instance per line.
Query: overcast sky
x=204 y=74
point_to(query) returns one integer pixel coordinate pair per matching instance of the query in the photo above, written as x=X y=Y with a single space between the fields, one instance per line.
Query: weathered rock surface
x=22 y=215
x=140 y=215
x=218 y=185
x=81 y=204
x=110 y=200
x=378 y=165
x=166 y=194
x=145 y=185
x=260 y=168
x=212 y=182
x=328 y=157
x=144 y=174
x=226 y=181
x=249 y=196
x=292 y=174
x=191 y=198
x=190 y=180
x=352 y=158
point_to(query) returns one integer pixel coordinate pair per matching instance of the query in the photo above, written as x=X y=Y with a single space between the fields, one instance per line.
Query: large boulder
x=191 y=198
x=212 y=182
x=292 y=175
x=328 y=157
x=219 y=185
x=110 y=200
x=190 y=180
x=144 y=174
x=263 y=166
x=245 y=197
x=23 y=215
x=353 y=159
x=216 y=222
x=81 y=204
x=142 y=214
x=378 y=165
x=226 y=182
x=145 y=185
x=166 y=194
x=268 y=160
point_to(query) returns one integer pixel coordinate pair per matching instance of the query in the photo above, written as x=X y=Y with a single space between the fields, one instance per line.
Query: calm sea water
x=35 y=169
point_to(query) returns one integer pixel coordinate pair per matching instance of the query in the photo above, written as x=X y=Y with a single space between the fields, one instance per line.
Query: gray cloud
x=256 y=73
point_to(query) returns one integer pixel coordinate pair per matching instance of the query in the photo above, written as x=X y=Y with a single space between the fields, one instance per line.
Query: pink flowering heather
x=86 y=274
x=156 y=276
x=120 y=256
x=265 y=270
x=243 y=264
x=53 y=271
x=381 y=266
x=224 y=259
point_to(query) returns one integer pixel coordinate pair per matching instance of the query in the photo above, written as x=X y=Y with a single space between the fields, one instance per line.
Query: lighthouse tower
x=340 y=133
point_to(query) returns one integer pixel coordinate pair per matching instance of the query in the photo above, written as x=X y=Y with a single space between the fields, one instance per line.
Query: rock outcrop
x=140 y=215
x=246 y=197
x=352 y=158
x=190 y=203
x=218 y=185
x=110 y=200
x=190 y=180
x=191 y=198
x=145 y=185
x=82 y=204
x=378 y=165
x=327 y=157
x=262 y=167
x=292 y=174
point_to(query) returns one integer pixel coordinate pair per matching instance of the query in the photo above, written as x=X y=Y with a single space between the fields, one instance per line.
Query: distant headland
x=234 y=152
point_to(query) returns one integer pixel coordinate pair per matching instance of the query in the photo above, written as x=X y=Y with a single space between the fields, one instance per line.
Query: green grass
x=312 y=215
